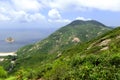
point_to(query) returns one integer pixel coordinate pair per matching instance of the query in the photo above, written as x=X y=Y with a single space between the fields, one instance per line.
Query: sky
x=57 y=13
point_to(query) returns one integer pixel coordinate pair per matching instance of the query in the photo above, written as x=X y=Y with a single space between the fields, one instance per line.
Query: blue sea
x=22 y=37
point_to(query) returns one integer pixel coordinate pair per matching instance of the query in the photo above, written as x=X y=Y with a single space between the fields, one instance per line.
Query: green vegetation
x=97 y=59
x=76 y=32
x=3 y=73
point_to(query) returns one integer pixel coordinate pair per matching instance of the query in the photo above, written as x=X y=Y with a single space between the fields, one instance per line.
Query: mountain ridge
x=88 y=21
x=90 y=60
x=65 y=35
x=53 y=46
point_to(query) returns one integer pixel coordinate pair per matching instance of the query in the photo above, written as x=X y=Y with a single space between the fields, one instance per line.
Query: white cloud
x=60 y=4
x=20 y=11
x=26 y=17
x=2 y=10
x=4 y=18
x=29 y=10
x=110 y=5
x=36 y=16
x=82 y=18
x=60 y=20
x=54 y=14
x=27 y=5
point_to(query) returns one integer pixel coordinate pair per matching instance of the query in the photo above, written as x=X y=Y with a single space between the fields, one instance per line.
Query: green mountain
x=55 y=53
x=76 y=32
x=98 y=59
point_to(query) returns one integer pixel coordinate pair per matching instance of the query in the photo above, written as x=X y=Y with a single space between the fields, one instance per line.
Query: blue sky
x=57 y=13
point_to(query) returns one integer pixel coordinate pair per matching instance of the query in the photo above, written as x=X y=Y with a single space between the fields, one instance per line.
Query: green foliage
x=3 y=73
x=27 y=74
x=11 y=78
x=58 y=71
x=115 y=61
x=77 y=61
x=59 y=41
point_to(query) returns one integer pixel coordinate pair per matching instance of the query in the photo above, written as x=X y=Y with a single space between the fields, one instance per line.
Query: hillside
x=98 y=59
x=76 y=32
x=42 y=55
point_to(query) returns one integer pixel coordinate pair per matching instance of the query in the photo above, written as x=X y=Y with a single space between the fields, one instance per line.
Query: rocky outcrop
x=76 y=39
x=9 y=40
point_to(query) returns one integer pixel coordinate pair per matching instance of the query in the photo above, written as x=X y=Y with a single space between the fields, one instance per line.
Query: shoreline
x=8 y=53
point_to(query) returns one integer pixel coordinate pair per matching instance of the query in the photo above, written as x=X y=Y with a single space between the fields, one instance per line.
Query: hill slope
x=70 y=35
x=98 y=59
x=76 y=32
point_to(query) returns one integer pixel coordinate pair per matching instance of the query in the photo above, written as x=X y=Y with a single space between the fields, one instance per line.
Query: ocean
x=22 y=37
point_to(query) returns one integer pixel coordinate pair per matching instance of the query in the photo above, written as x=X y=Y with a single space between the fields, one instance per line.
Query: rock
x=9 y=40
x=105 y=48
x=76 y=39
x=105 y=42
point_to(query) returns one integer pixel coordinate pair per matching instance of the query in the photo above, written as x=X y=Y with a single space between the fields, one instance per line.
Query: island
x=9 y=40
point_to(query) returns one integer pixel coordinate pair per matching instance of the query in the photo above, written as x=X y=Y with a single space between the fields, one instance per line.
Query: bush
x=3 y=73
x=115 y=61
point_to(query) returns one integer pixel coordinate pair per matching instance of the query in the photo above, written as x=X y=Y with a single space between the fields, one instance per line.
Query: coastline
x=8 y=53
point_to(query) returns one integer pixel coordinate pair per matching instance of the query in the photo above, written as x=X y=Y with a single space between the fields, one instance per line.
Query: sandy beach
x=7 y=54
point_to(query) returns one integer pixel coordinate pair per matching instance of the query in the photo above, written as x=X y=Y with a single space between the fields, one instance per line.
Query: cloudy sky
x=56 y=13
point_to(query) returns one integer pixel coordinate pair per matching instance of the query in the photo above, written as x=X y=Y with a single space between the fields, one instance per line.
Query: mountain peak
x=96 y=22
x=76 y=31
x=82 y=22
x=77 y=22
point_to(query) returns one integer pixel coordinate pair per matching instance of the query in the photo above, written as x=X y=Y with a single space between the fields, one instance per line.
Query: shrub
x=3 y=73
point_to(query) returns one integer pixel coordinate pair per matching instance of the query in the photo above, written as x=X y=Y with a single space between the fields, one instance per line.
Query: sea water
x=22 y=37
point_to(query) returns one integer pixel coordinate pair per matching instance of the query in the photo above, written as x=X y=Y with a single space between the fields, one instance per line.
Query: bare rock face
x=9 y=40
x=104 y=48
x=76 y=39
x=105 y=42
x=118 y=37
